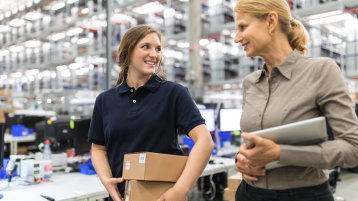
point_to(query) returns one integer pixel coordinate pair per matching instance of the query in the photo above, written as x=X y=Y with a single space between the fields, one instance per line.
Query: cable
x=11 y=172
x=211 y=192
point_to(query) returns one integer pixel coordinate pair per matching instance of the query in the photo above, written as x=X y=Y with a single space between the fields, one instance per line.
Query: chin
x=248 y=54
x=251 y=54
x=149 y=73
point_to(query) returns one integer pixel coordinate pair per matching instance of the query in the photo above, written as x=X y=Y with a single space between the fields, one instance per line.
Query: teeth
x=150 y=63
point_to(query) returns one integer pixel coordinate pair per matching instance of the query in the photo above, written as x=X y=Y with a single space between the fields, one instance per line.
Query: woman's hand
x=248 y=171
x=173 y=194
x=111 y=186
x=263 y=152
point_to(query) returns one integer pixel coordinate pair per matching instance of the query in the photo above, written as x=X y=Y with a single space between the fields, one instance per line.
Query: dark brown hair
x=125 y=50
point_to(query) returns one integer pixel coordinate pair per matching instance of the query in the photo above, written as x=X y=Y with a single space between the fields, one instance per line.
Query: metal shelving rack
x=216 y=27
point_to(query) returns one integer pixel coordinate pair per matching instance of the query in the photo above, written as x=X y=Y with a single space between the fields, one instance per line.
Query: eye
x=158 y=49
x=242 y=27
x=145 y=46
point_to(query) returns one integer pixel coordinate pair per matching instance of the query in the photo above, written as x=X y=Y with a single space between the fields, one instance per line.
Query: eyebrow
x=240 y=23
x=148 y=43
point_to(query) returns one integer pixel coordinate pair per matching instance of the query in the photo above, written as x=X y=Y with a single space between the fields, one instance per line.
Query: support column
x=108 y=44
x=195 y=66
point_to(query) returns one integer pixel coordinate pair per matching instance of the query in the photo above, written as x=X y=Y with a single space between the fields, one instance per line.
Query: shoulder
x=173 y=86
x=321 y=64
x=319 y=69
x=106 y=94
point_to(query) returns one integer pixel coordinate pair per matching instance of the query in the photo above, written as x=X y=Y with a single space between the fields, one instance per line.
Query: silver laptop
x=306 y=132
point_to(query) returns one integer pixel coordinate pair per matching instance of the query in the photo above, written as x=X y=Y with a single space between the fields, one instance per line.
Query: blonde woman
x=289 y=88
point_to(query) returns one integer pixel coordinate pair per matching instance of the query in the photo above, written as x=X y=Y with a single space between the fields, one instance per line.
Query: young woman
x=143 y=113
x=289 y=88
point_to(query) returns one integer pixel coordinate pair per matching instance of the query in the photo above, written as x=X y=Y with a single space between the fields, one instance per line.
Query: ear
x=272 y=21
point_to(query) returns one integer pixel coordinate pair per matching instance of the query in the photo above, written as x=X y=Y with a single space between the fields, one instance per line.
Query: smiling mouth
x=149 y=62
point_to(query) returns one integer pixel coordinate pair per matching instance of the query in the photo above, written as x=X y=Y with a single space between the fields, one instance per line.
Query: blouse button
x=134 y=101
x=131 y=90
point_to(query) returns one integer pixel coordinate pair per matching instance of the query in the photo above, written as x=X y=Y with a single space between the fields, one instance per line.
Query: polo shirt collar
x=152 y=85
x=285 y=68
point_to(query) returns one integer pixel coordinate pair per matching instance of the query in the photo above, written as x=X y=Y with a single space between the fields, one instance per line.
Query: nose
x=153 y=53
x=238 y=37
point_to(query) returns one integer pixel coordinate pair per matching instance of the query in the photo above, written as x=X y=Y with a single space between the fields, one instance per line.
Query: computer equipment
x=80 y=133
x=306 y=132
x=30 y=120
x=58 y=130
x=230 y=119
x=12 y=119
x=208 y=115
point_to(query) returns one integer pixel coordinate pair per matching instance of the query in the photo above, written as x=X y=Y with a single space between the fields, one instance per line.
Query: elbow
x=207 y=143
x=211 y=144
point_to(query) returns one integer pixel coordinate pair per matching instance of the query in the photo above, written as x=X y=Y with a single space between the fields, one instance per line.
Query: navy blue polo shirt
x=125 y=120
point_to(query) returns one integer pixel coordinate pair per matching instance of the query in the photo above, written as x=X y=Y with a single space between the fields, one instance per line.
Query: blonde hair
x=125 y=49
x=294 y=30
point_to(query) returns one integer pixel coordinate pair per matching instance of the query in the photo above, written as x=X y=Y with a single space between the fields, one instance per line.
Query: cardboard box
x=234 y=181
x=4 y=92
x=229 y=195
x=145 y=190
x=150 y=166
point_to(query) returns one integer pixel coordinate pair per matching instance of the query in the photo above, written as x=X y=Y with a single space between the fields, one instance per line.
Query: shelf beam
x=326 y=7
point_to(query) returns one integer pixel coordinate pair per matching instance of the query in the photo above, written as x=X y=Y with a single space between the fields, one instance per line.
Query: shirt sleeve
x=96 y=133
x=334 y=102
x=187 y=113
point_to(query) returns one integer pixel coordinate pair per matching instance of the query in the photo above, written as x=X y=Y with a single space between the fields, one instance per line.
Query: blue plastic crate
x=3 y=173
x=188 y=142
x=18 y=130
x=85 y=169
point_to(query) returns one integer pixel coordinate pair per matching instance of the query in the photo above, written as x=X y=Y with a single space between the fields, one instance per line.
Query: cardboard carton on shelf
x=150 y=166
x=145 y=190
x=4 y=92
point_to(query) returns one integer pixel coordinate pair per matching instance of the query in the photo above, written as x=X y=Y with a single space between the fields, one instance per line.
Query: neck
x=276 y=54
x=136 y=81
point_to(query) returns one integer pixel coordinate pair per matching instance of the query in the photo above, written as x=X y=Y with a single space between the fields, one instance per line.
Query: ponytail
x=298 y=36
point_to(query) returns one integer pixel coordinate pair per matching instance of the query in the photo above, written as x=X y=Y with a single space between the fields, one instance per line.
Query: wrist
x=181 y=188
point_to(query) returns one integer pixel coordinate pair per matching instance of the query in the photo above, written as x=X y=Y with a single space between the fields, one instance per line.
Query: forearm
x=100 y=163
x=197 y=161
x=326 y=155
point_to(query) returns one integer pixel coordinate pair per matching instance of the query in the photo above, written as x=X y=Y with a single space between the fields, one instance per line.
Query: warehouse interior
x=57 y=56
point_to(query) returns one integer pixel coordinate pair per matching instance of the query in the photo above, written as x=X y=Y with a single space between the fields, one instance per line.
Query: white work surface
x=65 y=187
x=219 y=165
x=76 y=186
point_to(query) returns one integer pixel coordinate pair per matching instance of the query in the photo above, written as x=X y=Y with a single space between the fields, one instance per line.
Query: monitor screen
x=230 y=119
x=81 y=144
x=208 y=115
x=30 y=121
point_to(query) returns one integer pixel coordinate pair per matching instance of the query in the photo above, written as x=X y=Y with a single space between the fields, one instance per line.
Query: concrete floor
x=347 y=188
